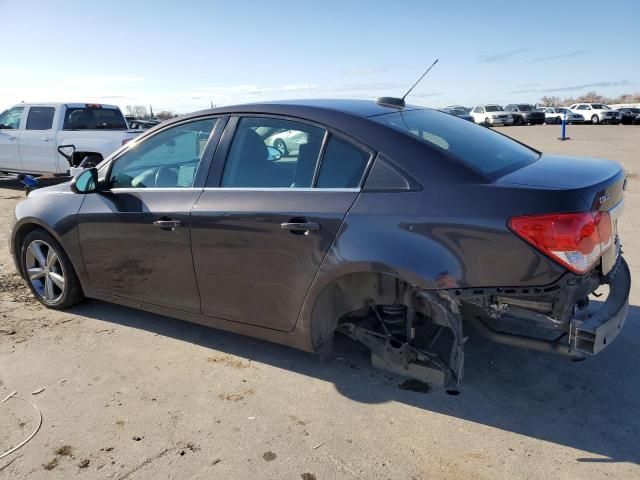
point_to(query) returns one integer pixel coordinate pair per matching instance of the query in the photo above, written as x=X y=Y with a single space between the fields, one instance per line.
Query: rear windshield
x=479 y=147
x=94 y=119
x=526 y=108
x=493 y=108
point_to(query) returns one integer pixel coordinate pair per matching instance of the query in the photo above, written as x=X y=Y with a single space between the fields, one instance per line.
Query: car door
x=264 y=223
x=37 y=142
x=135 y=236
x=10 y=139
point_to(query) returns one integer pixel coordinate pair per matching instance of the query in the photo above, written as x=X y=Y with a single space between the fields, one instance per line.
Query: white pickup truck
x=30 y=135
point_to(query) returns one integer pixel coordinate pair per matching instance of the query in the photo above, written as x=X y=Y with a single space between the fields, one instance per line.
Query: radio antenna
x=423 y=75
x=399 y=102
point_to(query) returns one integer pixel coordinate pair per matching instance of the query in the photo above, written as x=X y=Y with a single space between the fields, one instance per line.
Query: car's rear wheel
x=559 y=120
x=487 y=123
x=595 y=120
x=280 y=145
x=48 y=271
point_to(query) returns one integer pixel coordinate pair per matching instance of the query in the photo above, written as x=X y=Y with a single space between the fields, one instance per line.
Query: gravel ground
x=131 y=395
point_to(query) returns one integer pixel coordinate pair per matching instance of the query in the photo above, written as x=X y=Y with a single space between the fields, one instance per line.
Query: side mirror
x=85 y=181
x=274 y=153
x=67 y=152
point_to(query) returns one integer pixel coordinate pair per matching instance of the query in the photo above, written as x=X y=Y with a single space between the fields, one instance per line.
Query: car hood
x=60 y=188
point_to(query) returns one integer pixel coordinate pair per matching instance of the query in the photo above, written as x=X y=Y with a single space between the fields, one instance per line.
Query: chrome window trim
x=232 y=189
x=281 y=189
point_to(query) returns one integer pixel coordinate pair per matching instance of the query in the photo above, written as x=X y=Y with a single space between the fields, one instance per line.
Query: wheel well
x=353 y=293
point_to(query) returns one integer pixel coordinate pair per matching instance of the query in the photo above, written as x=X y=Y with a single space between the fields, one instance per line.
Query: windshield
x=94 y=119
x=493 y=108
x=457 y=112
x=526 y=108
x=599 y=106
x=481 y=148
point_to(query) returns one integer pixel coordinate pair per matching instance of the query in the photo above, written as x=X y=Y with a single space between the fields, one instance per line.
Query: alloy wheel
x=45 y=271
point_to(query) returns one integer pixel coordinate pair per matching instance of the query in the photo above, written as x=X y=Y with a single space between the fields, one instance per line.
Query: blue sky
x=182 y=55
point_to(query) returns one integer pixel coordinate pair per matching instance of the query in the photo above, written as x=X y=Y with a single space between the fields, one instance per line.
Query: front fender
x=53 y=209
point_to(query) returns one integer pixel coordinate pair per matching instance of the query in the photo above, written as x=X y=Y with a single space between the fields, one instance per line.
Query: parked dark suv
x=398 y=226
x=524 y=113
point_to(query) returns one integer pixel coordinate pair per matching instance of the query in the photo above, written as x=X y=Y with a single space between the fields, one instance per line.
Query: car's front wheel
x=48 y=271
x=595 y=120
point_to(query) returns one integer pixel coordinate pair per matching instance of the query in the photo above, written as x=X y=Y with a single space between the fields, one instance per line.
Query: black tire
x=280 y=145
x=60 y=267
x=521 y=121
x=559 y=120
x=487 y=123
x=595 y=120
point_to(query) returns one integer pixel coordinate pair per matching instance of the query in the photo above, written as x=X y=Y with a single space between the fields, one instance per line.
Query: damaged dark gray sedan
x=398 y=226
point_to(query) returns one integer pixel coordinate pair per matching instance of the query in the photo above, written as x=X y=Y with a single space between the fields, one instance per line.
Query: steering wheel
x=166 y=177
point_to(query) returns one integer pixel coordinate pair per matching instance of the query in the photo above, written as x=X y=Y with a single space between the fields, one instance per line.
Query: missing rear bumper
x=554 y=319
x=598 y=330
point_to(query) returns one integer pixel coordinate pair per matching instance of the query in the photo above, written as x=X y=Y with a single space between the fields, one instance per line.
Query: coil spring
x=394 y=318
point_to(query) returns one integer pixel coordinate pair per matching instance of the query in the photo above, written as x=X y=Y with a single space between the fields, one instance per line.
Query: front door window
x=168 y=159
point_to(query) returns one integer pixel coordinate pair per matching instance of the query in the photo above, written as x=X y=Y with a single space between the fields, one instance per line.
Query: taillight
x=575 y=240
x=125 y=141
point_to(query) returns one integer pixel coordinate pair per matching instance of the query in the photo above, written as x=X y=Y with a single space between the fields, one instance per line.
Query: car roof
x=67 y=104
x=359 y=108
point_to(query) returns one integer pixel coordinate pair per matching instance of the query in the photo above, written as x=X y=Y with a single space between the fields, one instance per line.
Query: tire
x=521 y=121
x=53 y=280
x=280 y=145
x=595 y=120
x=487 y=123
x=559 y=120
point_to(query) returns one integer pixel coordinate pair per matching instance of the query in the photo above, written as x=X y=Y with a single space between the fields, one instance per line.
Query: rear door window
x=343 y=164
x=272 y=153
x=40 y=118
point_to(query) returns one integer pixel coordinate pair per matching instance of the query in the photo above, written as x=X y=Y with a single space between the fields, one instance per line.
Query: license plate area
x=611 y=256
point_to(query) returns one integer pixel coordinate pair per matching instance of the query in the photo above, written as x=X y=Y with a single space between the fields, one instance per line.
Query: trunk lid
x=600 y=183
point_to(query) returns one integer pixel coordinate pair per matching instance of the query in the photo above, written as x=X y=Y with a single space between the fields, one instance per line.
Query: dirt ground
x=131 y=395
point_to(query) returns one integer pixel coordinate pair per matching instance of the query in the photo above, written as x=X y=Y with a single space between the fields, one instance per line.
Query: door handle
x=299 y=227
x=46 y=139
x=167 y=224
x=11 y=137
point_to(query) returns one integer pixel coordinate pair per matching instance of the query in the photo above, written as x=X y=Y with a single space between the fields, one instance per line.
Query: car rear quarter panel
x=441 y=238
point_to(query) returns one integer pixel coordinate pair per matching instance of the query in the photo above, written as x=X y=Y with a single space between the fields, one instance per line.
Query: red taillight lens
x=575 y=240
x=125 y=141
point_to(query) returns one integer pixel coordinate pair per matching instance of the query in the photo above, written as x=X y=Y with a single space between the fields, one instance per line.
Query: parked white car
x=491 y=115
x=556 y=114
x=596 y=113
x=30 y=135
x=287 y=141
